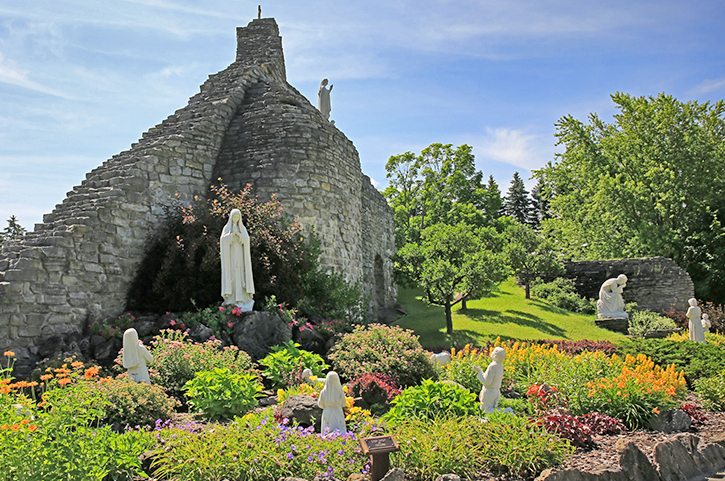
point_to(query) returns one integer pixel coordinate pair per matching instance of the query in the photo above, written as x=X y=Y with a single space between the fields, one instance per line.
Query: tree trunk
x=449 y=319
x=528 y=291
x=464 y=306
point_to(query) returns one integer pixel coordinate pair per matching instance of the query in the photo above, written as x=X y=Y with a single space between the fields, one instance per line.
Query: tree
x=539 y=204
x=516 y=203
x=530 y=255
x=454 y=262
x=12 y=231
x=493 y=203
x=650 y=183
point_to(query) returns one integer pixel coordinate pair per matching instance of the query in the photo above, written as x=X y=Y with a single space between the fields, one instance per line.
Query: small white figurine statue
x=323 y=99
x=135 y=357
x=332 y=402
x=491 y=379
x=697 y=333
x=237 y=281
x=442 y=358
x=610 y=304
x=706 y=323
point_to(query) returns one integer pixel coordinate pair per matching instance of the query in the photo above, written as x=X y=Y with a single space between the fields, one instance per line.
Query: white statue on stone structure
x=697 y=333
x=491 y=380
x=323 y=99
x=237 y=281
x=706 y=323
x=611 y=304
x=332 y=402
x=135 y=357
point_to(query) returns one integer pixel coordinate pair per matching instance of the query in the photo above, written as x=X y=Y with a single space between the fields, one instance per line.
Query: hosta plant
x=222 y=394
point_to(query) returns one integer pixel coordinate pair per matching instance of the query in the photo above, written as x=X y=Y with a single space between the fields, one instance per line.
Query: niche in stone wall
x=379 y=274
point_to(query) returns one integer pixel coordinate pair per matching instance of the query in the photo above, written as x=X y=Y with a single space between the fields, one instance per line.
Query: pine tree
x=493 y=202
x=516 y=203
x=12 y=231
x=539 y=205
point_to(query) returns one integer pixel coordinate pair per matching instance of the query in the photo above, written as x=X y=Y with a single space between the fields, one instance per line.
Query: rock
x=200 y=333
x=672 y=421
x=358 y=477
x=302 y=409
x=324 y=477
x=258 y=331
x=311 y=340
x=291 y=479
x=395 y=474
x=448 y=477
x=675 y=460
x=51 y=345
x=163 y=322
x=97 y=340
x=633 y=462
x=389 y=315
x=144 y=326
x=106 y=352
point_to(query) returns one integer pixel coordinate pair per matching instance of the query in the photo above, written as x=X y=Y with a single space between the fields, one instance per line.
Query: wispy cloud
x=707 y=86
x=514 y=147
x=11 y=74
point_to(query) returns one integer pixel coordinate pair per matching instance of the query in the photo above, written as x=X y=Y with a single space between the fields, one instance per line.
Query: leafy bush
x=432 y=400
x=712 y=391
x=518 y=406
x=112 y=326
x=505 y=445
x=561 y=293
x=285 y=360
x=255 y=448
x=177 y=359
x=378 y=348
x=579 y=429
x=460 y=369
x=221 y=394
x=695 y=359
x=642 y=322
x=374 y=388
x=696 y=415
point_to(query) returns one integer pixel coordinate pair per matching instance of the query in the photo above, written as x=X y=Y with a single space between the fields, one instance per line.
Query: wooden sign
x=379 y=445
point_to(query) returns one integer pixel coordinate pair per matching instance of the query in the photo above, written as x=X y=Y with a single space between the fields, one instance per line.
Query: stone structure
x=654 y=283
x=247 y=124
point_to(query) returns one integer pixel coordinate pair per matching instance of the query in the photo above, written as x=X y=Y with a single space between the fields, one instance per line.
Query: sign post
x=378 y=448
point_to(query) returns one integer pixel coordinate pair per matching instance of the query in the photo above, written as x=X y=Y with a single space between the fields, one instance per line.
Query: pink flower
x=172 y=322
x=167 y=313
x=231 y=324
x=221 y=308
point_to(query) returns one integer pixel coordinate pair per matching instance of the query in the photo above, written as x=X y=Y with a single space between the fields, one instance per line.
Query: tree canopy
x=650 y=183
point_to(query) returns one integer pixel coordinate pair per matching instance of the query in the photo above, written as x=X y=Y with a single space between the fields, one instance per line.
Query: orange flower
x=9 y=354
x=15 y=427
x=64 y=381
x=45 y=377
x=655 y=410
x=4 y=427
x=4 y=390
x=76 y=364
x=32 y=428
x=42 y=404
x=4 y=381
x=91 y=372
x=25 y=421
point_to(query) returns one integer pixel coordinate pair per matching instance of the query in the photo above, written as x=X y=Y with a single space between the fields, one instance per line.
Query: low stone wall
x=654 y=283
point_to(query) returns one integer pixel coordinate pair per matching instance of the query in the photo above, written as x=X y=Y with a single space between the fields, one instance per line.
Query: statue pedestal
x=616 y=325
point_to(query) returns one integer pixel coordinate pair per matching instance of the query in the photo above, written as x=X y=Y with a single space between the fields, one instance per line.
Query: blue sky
x=81 y=80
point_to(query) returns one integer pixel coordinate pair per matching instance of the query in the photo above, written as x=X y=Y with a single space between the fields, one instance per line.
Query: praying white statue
x=135 y=357
x=323 y=99
x=706 y=323
x=697 y=333
x=332 y=402
x=491 y=380
x=611 y=304
x=237 y=282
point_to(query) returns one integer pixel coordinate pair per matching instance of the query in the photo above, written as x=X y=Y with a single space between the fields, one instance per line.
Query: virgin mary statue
x=237 y=282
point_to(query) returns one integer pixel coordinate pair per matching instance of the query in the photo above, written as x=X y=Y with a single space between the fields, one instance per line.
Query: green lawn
x=506 y=314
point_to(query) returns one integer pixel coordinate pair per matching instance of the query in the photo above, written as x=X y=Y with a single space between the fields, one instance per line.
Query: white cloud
x=10 y=74
x=707 y=86
x=514 y=147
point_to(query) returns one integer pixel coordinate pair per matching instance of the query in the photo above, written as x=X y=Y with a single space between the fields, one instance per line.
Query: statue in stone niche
x=697 y=333
x=491 y=380
x=323 y=99
x=332 y=402
x=237 y=282
x=135 y=357
x=706 y=323
x=611 y=304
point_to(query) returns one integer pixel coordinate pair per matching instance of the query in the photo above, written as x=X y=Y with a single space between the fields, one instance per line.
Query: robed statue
x=323 y=99
x=237 y=282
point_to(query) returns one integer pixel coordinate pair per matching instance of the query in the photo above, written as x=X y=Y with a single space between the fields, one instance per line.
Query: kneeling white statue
x=135 y=357
x=491 y=380
x=611 y=304
x=237 y=281
x=332 y=402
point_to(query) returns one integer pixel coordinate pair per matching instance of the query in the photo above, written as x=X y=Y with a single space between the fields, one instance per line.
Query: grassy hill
x=505 y=313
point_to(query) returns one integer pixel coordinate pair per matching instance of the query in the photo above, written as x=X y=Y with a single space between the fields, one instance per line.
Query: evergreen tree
x=539 y=205
x=493 y=202
x=516 y=203
x=12 y=231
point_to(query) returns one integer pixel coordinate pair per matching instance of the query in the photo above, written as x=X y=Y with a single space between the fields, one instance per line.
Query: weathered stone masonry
x=247 y=124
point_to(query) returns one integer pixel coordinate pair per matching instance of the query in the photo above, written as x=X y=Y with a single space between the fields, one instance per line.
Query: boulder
x=395 y=474
x=145 y=326
x=358 y=477
x=634 y=463
x=107 y=351
x=200 y=333
x=448 y=477
x=303 y=409
x=672 y=421
x=257 y=331
x=311 y=340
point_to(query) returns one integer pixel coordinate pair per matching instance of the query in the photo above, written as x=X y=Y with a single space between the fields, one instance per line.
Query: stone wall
x=77 y=265
x=654 y=283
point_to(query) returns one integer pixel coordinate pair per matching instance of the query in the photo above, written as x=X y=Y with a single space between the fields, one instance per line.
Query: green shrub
x=642 y=322
x=695 y=359
x=518 y=406
x=505 y=444
x=286 y=360
x=112 y=326
x=432 y=400
x=177 y=359
x=377 y=348
x=561 y=293
x=460 y=369
x=221 y=394
x=712 y=391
